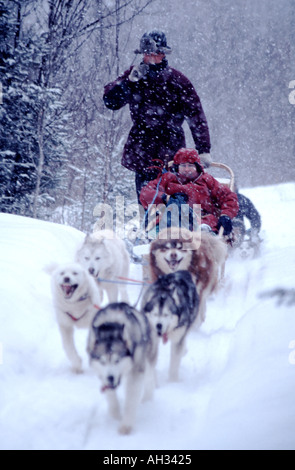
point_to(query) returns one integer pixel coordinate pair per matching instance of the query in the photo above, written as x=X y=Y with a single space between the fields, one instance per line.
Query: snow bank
x=237 y=378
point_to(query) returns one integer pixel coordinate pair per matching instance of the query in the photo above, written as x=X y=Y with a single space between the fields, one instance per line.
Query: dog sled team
x=184 y=267
x=191 y=219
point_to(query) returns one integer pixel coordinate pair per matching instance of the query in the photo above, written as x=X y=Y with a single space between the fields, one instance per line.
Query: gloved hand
x=206 y=159
x=138 y=72
x=178 y=198
x=225 y=222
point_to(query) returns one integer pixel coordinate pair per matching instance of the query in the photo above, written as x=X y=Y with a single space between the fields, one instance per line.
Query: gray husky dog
x=106 y=258
x=121 y=345
x=171 y=305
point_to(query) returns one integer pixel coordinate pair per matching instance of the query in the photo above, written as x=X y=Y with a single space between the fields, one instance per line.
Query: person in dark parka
x=160 y=98
x=248 y=210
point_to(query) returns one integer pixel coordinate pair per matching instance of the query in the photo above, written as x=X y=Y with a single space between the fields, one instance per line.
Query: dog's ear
x=148 y=307
x=50 y=268
x=97 y=238
x=87 y=237
x=127 y=340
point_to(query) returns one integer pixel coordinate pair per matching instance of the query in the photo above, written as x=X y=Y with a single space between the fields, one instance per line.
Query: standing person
x=160 y=98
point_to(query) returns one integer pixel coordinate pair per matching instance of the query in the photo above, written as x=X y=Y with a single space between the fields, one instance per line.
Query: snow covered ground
x=237 y=378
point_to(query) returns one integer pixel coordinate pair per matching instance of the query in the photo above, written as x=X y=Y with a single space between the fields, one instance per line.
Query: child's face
x=187 y=171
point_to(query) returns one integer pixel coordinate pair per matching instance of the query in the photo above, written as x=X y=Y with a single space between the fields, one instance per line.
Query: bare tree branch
x=92 y=26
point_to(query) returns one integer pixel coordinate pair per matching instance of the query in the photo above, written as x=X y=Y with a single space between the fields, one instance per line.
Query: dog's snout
x=159 y=328
x=111 y=379
x=173 y=255
x=91 y=271
x=66 y=279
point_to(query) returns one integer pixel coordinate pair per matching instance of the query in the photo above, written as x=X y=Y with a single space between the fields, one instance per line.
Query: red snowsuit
x=215 y=198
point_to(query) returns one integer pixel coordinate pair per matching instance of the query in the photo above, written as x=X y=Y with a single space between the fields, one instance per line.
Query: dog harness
x=74 y=318
x=83 y=297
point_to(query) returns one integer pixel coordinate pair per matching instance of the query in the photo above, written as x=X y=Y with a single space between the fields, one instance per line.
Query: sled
x=155 y=214
x=228 y=180
x=225 y=176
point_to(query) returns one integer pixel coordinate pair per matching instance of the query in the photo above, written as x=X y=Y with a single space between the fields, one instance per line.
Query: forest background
x=60 y=148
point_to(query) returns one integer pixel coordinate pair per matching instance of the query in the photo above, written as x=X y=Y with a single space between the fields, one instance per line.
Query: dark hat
x=154 y=41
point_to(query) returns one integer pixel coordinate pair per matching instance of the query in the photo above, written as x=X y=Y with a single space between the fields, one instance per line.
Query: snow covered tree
x=59 y=144
x=95 y=134
x=30 y=143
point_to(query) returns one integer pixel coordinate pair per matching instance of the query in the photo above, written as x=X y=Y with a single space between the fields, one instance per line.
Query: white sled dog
x=171 y=306
x=76 y=299
x=200 y=253
x=105 y=257
x=121 y=346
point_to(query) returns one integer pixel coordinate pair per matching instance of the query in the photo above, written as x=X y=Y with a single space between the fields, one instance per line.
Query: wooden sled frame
x=231 y=179
x=230 y=183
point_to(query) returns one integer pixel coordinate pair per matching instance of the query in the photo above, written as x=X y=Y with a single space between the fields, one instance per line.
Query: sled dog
x=121 y=346
x=200 y=253
x=106 y=258
x=76 y=299
x=171 y=306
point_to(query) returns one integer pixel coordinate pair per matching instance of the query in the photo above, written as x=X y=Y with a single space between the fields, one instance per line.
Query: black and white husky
x=121 y=347
x=171 y=305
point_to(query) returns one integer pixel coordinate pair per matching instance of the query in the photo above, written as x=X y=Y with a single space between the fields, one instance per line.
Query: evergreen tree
x=60 y=146
x=30 y=144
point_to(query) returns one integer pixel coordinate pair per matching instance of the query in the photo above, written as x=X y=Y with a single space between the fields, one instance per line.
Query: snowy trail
x=237 y=379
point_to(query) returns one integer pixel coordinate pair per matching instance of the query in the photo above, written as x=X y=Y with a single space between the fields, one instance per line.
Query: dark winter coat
x=159 y=104
x=248 y=210
x=215 y=198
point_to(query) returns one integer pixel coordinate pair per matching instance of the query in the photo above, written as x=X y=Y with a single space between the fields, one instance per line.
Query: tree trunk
x=40 y=161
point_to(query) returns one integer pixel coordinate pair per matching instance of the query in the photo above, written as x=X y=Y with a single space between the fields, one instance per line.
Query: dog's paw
x=147 y=396
x=115 y=413
x=125 y=429
x=173 y=377
x=77 y=367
